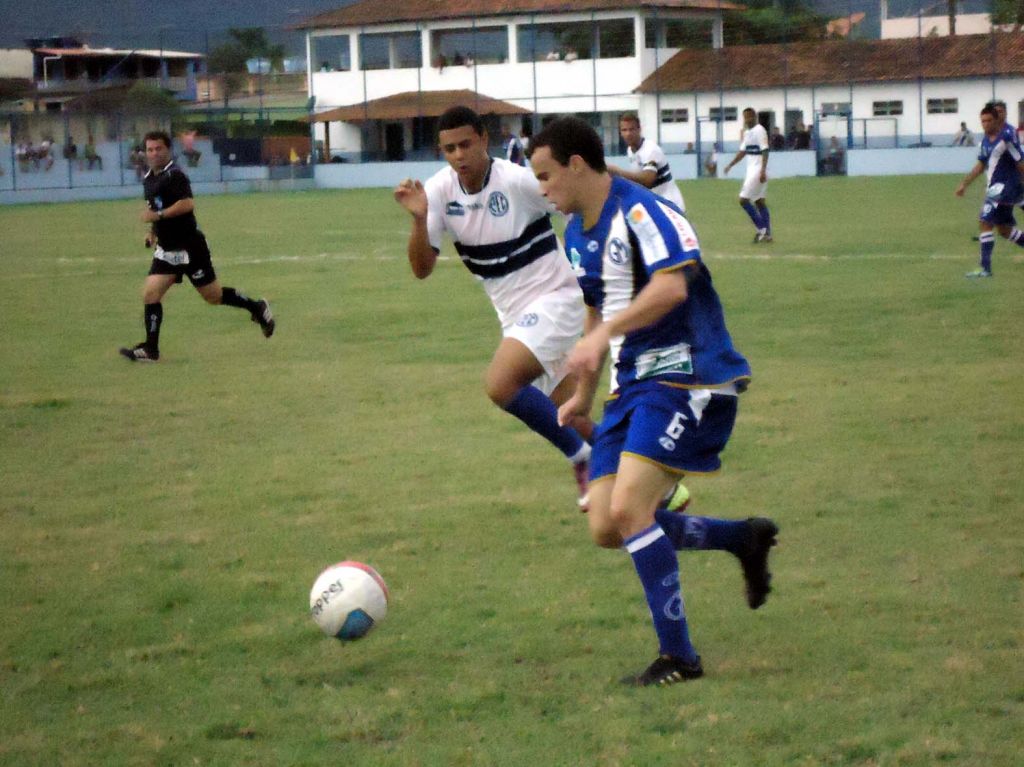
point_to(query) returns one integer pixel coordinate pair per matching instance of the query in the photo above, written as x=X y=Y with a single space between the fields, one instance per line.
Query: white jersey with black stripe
x=503 y=235
x=649 y=156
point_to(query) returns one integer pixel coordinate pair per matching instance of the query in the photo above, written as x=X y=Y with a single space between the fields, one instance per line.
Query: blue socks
x=748 y=206
x=988 y=242
x=656 y=564
x=536 y=410
x=766 y=218
x=686 y=531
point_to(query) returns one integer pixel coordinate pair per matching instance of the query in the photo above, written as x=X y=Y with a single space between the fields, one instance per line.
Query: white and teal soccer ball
x=347 y=600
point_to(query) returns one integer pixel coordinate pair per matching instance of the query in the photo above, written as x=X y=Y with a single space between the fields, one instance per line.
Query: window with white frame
x=885 y=108
x=675 y=115
x=943 y=106
x=836 y=109
x=723 y=114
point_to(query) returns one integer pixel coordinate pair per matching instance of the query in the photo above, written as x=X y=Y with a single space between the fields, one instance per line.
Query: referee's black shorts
x=199 y=268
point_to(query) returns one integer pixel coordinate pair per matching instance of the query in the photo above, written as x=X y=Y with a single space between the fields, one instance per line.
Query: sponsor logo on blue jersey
x=617 y=251
x=497 y=204
x=454 y=209
x=592 y=246
x=528 y=320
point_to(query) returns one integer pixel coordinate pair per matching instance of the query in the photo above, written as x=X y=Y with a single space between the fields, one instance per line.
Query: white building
x=868 y=93
x=542 y=56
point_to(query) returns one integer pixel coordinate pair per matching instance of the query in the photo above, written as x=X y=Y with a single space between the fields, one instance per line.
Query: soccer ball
x=347 y=600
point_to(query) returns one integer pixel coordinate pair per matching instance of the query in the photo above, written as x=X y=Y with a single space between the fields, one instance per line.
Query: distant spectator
x=24 y=154
x=553 y=56
x=963 y=137
x=514 y=151
x=70 y=152
x=192 y=155
x=44 y=154
x=440 y=61
x=711 y=163
x=91 y=156
x=458 y=59
x=801 y=137
x=137 y=160
x=571 y=55
x=777 y=141
x=689 y=148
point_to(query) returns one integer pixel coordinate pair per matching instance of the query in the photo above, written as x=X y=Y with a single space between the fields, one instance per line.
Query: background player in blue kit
x=180 y=250
x=1001 y=159
x=675 y=382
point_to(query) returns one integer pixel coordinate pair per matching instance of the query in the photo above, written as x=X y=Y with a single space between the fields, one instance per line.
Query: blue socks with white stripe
x=536 y=410
x=766 y=219
x=987 y=241
x=748 y=206
x=656 y=564
x=702 y=533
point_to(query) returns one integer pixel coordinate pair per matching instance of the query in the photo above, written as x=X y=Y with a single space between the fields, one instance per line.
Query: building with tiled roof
x=541 y=56
x=895 y=92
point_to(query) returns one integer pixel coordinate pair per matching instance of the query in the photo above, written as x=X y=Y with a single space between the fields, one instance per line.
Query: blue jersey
x=1000 y=156
x=638 y=235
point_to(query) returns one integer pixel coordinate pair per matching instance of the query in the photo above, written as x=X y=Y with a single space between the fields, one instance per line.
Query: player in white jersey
x=754 y=146
x=648 y=162
x=500 y=224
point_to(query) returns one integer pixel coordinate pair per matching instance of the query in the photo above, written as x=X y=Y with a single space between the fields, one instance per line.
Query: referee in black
x=180 y=250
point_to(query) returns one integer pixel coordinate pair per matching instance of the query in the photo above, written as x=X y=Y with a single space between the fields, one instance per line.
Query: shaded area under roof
x=376 y=12
x=831 y=62
x=401 y=106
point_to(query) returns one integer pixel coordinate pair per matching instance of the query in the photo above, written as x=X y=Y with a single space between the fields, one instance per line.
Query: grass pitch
x=162 y=524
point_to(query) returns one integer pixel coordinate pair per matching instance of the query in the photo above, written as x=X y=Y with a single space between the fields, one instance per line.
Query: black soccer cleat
x=666 y=670
x=754 y=559
x=139 y=353
x=264 y=318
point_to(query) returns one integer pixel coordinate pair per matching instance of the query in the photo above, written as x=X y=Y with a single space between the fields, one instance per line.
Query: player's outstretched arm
x=412 y=196
x=739 y=156
x=977 y=170
x=642 y=177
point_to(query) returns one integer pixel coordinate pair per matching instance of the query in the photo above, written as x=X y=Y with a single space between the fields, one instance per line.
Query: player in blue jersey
x=675 y=380
x=1000 y=158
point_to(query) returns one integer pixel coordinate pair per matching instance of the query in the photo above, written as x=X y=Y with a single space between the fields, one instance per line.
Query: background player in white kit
x=648 y=162
x=500 y=224
x=754 y=146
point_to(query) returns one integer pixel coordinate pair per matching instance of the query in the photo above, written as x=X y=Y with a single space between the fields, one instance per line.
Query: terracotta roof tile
x=828 y=62
x=376 y=12
x=418 y=104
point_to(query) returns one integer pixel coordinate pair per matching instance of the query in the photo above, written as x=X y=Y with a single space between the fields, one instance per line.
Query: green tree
x=773 y=21
x=1008 y=12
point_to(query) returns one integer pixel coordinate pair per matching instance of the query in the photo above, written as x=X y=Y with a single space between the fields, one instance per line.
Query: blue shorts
x=997 y=214
x=681 y=430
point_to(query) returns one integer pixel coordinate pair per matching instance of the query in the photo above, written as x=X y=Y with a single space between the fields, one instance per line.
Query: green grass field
x=161 y=525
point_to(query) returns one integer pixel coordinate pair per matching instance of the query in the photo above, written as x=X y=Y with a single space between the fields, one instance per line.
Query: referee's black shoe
x=754 y=559
x=264 y=318
x=666 y=670
x=139 y=353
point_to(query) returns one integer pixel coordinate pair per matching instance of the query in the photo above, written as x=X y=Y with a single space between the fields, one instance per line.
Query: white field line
x=72 y=267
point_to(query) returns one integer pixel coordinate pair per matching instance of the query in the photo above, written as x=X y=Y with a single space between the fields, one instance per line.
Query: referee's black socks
x=231 y=297
x=153 y=315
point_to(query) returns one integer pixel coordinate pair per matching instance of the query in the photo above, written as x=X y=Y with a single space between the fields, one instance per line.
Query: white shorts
x=549 y=327
x=753 y=189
